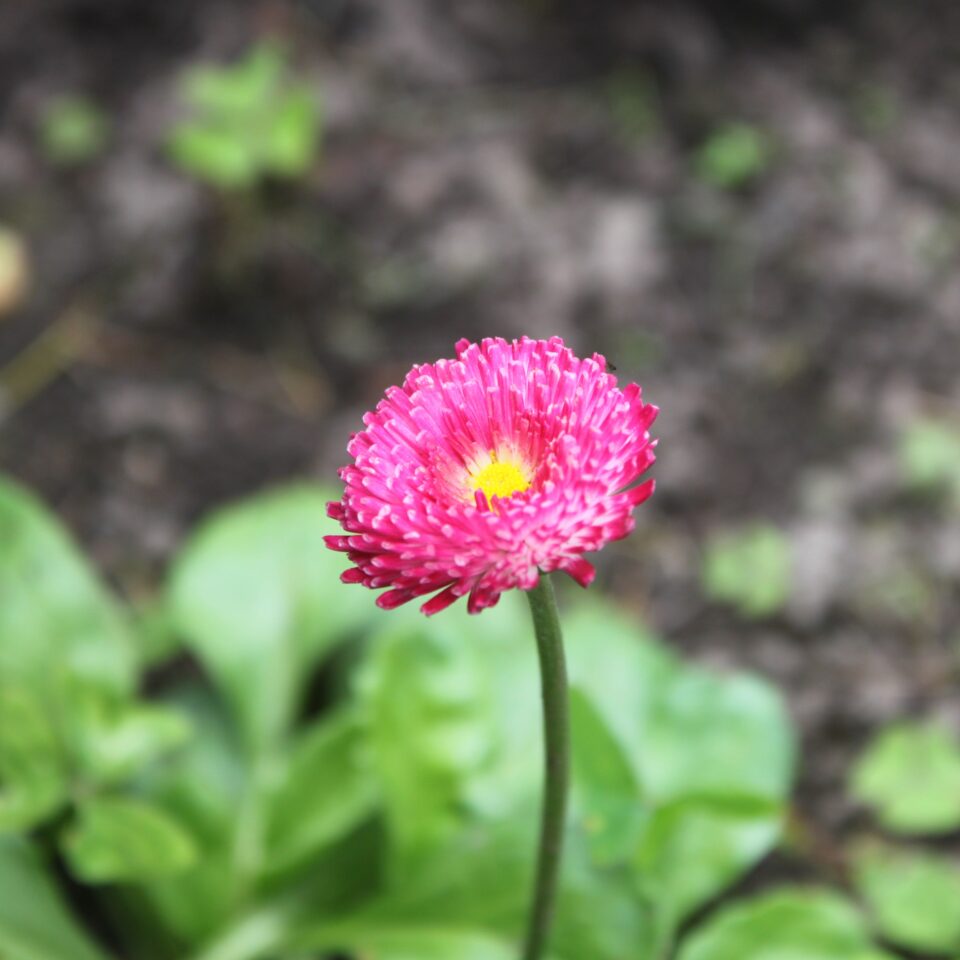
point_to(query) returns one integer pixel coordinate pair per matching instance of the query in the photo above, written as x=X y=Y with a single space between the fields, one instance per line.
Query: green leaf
x=249 y=120
x=204 y=786
x=214 y=155
x=291 y=144
x=910 y=776
x=237 y=90
x=432 y=729
x=914 y=896
x=32 y=776
x=57 y=623
x=720 y=736
x=791 y=924
x=257 y=596
x=481 y=881
x=609 y=804
x=930 y=456
x=749 y=569
x=114 y=739
x=326 y=789
x=714 y=755
x=734 y=155
x=414 y=943
x=123 y=839
x=694 y=848
x=34 y=923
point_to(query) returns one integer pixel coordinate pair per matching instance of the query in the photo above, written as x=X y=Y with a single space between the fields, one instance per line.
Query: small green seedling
x=734 y=155
x=749 y=570
x=73 y=131
x=249 y=121
x=930 y=457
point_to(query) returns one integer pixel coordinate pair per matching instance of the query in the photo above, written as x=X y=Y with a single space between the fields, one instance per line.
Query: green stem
x=556 y=735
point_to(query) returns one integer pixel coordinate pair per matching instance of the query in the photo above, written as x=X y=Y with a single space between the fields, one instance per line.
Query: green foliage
x=914 y=897
x=910 y=776
x=256 y=595
x=325 y=789
x=930 y=457
x=32 y=781
x=73 y=130
x=57 y=623
x=235 y=817
x=734 y=155
x=792 y=924
x=250 y=120
x=749 y=569
x=34 y=923
x=122 y=839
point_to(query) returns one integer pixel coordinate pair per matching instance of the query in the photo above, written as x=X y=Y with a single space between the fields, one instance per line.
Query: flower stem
x=556 y=734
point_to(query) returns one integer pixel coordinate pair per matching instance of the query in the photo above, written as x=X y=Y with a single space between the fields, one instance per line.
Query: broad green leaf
x=717 y=735
x=914 y=896
x=910 y=776
x=692 y=849
x=749 y=569
x=257 y=596
x=610 y=808
x=34 y=922
x=114 y=739
x=714 y=756
x=325 y=789
x=123 y=839
x=791 y=924
x=32 y=776
x=56 y=620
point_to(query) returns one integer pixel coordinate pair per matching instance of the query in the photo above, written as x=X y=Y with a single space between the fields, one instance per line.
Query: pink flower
x=480 y=472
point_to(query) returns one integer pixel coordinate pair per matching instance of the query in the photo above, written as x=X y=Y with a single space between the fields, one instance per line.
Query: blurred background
x=226 y=227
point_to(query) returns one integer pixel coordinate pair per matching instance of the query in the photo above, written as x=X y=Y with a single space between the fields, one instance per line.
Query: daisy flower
x=479 y=473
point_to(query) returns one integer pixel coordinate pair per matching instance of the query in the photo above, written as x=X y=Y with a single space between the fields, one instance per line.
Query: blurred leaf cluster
x=311 y=776
x=250 y=120
x=909 y=776
x=73 y=130
x=734 y=155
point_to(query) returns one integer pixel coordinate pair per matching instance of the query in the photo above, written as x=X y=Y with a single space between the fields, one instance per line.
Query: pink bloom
x=480 y=472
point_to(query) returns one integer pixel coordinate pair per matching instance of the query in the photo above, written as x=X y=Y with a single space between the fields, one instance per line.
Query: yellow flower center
x=500 y=478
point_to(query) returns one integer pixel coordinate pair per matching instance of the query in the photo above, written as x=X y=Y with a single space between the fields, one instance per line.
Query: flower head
x=481 y=472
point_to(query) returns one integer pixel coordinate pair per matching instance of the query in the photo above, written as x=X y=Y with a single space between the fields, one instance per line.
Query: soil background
x=508 y=167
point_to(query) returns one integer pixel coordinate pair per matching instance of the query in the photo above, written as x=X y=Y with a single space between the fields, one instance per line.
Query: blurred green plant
x=749 y=569
x=913 y=895
x=250 y=120
x=790 y=924
x=734 y=155
x=909 y=776
x=241 y=814
x=73 y=131
x=930 y=457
